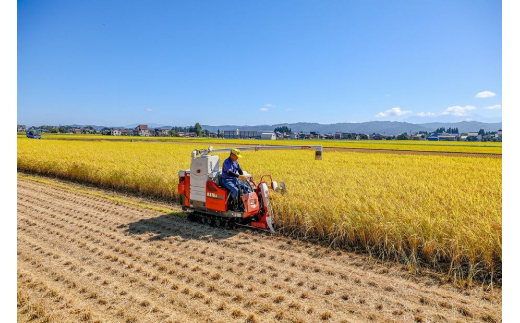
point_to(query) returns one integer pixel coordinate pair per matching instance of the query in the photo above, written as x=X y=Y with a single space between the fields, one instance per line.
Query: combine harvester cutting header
x=202 y=193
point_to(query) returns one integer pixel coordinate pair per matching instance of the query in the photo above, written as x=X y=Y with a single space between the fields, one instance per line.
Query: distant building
x=473 y=136
x=279 y=135
x=161 y=132
x=105 y=130
x=347 y=135
x=21 y=128
x=73 y=130
x=490 y=137
x=447 y=138
x=115 y=132
x=88 y=130
x=240 y=134
x=249 y=134
x=142 y=130
x=268 y=135
x=231 y=134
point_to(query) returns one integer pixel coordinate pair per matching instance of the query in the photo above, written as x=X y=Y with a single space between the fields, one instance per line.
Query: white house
x=268 y=135
x=115 y=132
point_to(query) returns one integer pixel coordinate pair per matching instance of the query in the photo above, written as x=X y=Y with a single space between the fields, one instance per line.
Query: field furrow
x=88 y=258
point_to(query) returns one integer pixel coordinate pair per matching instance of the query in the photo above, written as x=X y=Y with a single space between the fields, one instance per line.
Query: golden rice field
x=405 y=145
x=444 y=211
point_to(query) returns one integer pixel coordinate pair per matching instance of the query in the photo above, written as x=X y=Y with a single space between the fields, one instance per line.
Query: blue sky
x=266 y=62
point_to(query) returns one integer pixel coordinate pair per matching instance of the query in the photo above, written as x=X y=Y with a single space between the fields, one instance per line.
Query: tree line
x=449 y=130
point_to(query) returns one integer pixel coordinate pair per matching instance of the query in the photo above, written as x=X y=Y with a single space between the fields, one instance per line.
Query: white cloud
x=494 y=107
x=425 y=114
x=288 y=109
x=267 y=107
x=458 y=111
x=149 y=110
x=394 y=112
x=485 y=94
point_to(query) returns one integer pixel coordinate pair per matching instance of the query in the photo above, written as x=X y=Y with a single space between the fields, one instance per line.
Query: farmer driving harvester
x=233 y=178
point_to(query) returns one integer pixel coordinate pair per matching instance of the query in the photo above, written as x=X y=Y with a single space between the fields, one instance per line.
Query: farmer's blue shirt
x=230 y=169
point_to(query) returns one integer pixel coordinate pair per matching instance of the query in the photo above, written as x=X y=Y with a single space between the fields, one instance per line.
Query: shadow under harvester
x=176 y=224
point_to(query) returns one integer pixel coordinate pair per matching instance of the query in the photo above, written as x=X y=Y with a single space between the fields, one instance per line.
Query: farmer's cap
x=236 y=152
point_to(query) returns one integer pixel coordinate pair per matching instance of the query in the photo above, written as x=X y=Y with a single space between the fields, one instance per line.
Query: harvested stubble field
x=88 y=254
x=439 y=211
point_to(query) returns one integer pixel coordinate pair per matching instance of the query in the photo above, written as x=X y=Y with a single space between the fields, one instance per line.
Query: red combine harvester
x=200 y=191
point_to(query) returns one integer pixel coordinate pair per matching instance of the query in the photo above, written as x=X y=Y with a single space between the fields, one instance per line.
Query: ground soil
x=90 y=258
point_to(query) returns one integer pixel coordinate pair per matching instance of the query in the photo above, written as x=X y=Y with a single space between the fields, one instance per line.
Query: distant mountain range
x=384 y=127
x=130 y=126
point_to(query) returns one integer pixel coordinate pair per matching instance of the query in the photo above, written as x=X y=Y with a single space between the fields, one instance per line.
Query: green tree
x=403 y=136
x=198 y=129
x=47 y=128
x=481 y=132
x=283 y=129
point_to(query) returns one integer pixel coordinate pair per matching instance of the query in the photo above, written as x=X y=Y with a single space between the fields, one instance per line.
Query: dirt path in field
x=342 y=149
x=413 y=152
x=88 y=258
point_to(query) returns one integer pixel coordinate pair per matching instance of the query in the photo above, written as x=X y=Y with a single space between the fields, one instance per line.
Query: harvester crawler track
x=221 y=222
